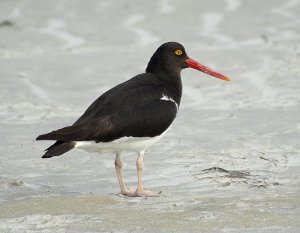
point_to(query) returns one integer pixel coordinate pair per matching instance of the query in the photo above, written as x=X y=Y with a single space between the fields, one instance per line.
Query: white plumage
x=134 y=144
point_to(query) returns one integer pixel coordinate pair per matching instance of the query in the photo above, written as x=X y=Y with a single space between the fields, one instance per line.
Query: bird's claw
x=145 y=193
x=128 y=192
x=139 y=193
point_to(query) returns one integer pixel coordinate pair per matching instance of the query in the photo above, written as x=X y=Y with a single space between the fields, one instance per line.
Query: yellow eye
x=178 y=52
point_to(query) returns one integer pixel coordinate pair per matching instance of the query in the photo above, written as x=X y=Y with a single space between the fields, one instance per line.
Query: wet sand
x=230 y=162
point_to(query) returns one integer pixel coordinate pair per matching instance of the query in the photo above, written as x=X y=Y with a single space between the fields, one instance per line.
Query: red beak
x=196 y=65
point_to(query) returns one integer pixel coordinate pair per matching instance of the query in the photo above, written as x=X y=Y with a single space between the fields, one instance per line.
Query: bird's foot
x=144 y=193
x=128 y=192
x=139 y=193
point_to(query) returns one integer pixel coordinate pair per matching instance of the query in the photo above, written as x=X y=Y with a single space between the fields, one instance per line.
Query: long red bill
x=196 y=65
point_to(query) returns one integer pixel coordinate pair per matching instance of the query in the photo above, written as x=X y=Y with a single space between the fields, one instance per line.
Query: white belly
x=119 y=145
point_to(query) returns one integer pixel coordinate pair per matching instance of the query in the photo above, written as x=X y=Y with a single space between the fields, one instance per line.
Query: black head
x=170 y=58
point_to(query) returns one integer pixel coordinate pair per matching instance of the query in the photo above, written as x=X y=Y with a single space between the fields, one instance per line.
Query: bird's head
x=171 y=57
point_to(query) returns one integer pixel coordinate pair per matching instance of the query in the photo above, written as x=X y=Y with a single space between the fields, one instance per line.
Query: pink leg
x=140 y=190
x=118 y=165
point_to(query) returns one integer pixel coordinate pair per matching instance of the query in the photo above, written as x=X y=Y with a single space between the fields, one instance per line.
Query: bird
x=131 y=116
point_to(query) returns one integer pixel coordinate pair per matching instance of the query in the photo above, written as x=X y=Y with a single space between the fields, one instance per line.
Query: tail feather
x=58 y=148
x=69 y=133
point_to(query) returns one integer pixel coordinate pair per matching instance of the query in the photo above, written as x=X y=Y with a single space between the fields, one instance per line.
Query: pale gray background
x=56 y=57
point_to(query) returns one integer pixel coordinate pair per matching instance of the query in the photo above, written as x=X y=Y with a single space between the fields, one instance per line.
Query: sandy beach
x=230 y=162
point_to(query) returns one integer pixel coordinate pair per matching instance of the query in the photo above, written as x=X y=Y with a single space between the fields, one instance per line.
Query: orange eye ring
x=178 y=52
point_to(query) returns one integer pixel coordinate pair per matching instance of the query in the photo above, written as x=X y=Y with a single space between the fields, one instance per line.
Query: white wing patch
x=167 y=98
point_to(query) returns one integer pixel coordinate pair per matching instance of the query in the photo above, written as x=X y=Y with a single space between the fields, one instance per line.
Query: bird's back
x=136 y=91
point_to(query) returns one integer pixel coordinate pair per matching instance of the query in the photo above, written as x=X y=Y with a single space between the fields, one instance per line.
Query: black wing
x=133 y=108
x=137 y=91
x=146 y=120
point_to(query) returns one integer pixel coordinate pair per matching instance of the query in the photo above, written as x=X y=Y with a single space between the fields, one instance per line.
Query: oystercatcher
x=132 y=115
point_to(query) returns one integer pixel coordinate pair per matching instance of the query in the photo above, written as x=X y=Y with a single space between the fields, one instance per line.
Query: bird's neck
x=172 y=83
x=166 y=74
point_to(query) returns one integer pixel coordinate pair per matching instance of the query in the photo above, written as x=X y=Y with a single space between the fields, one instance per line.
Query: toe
x=128 y=192
x=146 y=193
